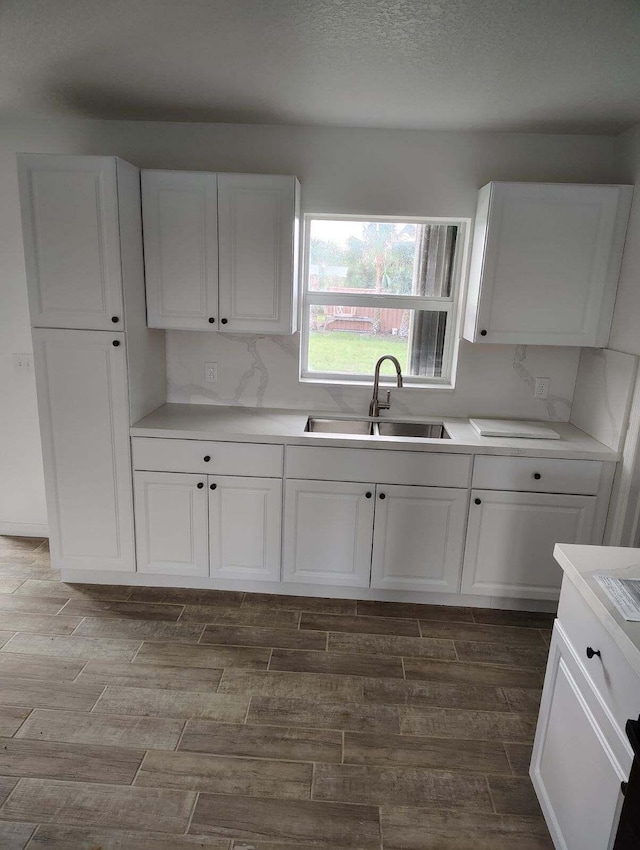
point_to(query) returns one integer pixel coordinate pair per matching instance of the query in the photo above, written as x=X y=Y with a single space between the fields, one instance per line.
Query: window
x=380 y=286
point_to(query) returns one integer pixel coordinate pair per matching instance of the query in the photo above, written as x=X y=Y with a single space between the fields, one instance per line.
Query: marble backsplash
x=602 y=397
x=262 y=371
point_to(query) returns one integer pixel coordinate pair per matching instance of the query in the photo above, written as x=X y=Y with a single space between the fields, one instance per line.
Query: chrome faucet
x=376 y=405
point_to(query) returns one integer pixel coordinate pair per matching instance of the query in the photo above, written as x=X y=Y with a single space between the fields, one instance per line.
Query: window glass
x=379 y=287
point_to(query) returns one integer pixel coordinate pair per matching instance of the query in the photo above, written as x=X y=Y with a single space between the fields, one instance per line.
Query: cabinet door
x=510 y=540
x=418 y=538
x=171 y=523
x=258 y=231
x=575 y=766
x=179 y=210
x=81 y=379
x=71 y=240
x=546 y=261
x=245 y=519
x=328 y=532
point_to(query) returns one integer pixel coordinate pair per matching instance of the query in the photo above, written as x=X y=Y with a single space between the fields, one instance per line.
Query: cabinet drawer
x=537 y=475
x=382 y=467
x=610 y=673
x=207 y=456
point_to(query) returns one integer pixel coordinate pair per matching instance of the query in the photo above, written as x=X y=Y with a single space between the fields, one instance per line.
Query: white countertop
x=250 y=424
x=579 y=564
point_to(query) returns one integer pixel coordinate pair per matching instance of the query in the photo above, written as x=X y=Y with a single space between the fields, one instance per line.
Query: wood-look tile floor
x=160 y=719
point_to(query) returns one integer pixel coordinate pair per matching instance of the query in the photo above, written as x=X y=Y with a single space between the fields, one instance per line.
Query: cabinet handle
x=212 y=486
x=382 y=496
x=478 y=501
x=623 y=787
x=368 y=495
x=199 y=485
x=223 y=321
x=483 y=333
x=211 y=320
x=115 y=320
x=116 y=343
x=206 y=458
x=537 y=476
x=591 y=652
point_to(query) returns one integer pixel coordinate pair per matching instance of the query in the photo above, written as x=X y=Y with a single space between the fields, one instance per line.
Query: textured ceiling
x=533 y=65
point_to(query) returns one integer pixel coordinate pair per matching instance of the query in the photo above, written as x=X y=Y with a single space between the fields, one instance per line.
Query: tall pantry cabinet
x=98 y=368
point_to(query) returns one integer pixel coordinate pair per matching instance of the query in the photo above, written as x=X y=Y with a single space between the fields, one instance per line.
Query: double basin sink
x=378 y=428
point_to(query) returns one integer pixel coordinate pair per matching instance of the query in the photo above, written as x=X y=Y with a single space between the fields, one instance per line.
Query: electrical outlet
x=541 y=389
x=211 y=373
x=23 y=362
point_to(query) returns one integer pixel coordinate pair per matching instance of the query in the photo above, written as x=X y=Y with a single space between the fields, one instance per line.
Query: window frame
x=452 y=305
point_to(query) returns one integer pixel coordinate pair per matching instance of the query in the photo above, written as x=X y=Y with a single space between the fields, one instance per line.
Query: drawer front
x=382 y=467
x=538 y=475
x=610 y=672
x=207 y=456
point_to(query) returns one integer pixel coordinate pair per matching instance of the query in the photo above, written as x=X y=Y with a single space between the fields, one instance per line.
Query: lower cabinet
x=386 y=536
x=328 y=528
x=418 y=538
x=245 y=518
x=197 y=525
x=83 y=405
x=510 y=540
x=171 y=523
x=578 y=759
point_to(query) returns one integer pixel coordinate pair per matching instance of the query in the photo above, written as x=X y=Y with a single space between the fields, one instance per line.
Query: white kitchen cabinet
x=510 y=540
x=71 y=241
x=83 y=406
x=258 y=232
x=579 y=757
x=171 y=523
x=418 y=538
x=221 y=251
x=245 y=519
x=180 y=212
x=545 y=263
x=328 y=532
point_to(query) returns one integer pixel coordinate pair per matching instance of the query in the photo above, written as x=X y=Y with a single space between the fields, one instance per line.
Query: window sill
x=407 y=384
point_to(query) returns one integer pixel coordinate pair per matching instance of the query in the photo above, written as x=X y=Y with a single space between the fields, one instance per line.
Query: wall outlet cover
x=211 y=372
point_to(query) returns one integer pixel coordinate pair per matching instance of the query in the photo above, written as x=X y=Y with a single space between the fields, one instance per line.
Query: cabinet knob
x=212 y=486
x=537 y=476
x=115 y=320
x=116 y=343
x=200 y=485
x=206 y=458
x=223 y=321
x=478 y=501
x=483 y=333
x=382 y=496
x=591 y=652
x=211 y=320
x=368 y=495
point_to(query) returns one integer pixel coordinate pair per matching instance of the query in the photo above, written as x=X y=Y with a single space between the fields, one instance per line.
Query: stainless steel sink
x=367 y=428
x=340 y=426
x=426 y=430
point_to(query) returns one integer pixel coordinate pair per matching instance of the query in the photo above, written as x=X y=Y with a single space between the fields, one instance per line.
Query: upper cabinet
x=545 y=263
x=180 y=212
x=70 y=223
x=221 y=251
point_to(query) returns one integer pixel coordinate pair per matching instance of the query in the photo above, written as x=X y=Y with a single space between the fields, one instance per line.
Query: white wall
x=356 y=171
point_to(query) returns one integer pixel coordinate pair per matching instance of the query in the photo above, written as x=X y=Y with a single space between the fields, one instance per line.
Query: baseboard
x=290 y=588
x=24 y=529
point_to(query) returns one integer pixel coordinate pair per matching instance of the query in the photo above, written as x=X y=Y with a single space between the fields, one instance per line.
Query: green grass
x=353 y=353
